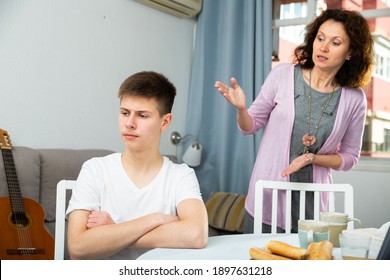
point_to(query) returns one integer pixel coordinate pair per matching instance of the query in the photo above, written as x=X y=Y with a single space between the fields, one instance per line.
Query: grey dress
x=300 y=128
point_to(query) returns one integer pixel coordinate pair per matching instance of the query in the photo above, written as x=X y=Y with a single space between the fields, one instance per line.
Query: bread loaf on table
x=319 y=251
x=261 y=254
x=277 y=250
x=286 y=250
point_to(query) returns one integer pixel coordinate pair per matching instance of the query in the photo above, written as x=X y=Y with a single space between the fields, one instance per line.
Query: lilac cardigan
x=273 y=110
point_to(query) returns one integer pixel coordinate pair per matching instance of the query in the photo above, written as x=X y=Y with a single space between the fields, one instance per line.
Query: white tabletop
x=224 y=247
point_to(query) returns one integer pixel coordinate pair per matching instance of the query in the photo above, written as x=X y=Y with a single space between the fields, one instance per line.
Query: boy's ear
x=167 y=118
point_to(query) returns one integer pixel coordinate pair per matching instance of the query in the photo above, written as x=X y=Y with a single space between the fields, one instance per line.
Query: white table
x=224 y=247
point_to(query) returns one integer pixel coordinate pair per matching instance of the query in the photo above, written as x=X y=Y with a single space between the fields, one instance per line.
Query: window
x=293 y=33
x=386 y=146
x=382 y=51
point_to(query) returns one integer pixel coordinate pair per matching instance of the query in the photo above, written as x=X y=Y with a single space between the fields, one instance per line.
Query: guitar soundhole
x=19 y=220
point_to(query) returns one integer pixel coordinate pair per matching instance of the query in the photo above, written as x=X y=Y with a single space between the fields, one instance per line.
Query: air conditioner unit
x=179 y=8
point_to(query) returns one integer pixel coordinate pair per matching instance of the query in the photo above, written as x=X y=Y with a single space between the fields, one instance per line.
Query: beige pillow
x=226 y=211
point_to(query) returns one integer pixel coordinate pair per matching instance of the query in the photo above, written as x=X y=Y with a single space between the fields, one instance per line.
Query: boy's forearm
x=107 y=240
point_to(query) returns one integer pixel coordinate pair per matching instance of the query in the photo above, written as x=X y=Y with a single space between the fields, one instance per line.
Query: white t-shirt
x=103 y=185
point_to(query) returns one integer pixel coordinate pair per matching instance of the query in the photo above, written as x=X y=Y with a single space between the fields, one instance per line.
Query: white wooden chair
x=346 y=189
x=59 y=245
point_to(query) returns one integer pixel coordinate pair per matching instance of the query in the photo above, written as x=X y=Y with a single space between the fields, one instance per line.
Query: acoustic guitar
x=23 y=235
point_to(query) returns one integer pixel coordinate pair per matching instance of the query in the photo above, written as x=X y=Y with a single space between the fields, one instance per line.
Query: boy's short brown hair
x=150 y=85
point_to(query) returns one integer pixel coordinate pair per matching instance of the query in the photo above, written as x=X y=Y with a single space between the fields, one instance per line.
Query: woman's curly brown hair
x=355 y=72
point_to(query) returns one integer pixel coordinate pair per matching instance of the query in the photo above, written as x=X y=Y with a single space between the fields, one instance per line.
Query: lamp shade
x=193 y=155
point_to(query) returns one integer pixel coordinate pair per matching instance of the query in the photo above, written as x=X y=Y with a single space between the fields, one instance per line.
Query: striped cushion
x=226 y=211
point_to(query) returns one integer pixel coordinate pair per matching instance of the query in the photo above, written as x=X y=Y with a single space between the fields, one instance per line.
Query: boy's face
x=140 y=123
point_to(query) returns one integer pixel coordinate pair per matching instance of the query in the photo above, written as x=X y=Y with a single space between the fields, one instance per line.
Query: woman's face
x=331 y=46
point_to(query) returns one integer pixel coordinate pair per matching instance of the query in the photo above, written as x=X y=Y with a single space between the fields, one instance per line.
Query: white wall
x=371 y=182
x=62 y=62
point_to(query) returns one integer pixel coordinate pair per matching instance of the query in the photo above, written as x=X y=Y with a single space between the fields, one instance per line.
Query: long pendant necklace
x=307 y=139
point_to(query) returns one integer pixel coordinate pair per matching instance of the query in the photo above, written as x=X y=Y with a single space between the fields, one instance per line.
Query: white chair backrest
x=59 y=244
x=303 y=188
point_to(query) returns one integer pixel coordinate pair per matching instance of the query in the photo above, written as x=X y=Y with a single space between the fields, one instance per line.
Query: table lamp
x=193 y=154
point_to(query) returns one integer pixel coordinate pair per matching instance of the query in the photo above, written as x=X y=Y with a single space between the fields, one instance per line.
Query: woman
x=312 y=111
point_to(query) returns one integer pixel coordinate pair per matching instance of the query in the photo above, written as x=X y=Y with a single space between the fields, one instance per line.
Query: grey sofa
x=39 y=171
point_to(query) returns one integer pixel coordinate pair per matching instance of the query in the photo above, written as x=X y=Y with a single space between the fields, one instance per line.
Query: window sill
x=373 y=164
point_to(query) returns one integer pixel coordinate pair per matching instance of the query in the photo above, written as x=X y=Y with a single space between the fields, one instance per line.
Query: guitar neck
x=12 y=181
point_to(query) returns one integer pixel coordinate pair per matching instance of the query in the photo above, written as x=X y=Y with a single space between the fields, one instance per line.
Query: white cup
x=337 y=223
x=312 y=231
x=354 y=246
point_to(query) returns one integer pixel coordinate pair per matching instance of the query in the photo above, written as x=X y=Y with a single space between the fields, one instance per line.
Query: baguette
x=285 y=250
x=319 y=251
x=261 y=254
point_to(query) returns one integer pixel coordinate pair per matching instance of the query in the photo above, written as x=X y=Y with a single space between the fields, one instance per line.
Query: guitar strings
x=20 y=218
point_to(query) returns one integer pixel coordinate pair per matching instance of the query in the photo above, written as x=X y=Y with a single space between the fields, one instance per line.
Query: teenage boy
x=126 y=203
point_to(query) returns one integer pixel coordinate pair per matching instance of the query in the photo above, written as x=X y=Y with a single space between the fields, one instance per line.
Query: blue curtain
x=233 y=38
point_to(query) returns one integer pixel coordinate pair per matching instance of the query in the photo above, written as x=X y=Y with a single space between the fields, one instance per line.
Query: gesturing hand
x=298 y=163
x=99 y=218
x=234 y=96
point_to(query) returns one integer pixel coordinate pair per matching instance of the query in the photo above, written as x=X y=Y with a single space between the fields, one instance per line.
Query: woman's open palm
x=234 y=95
